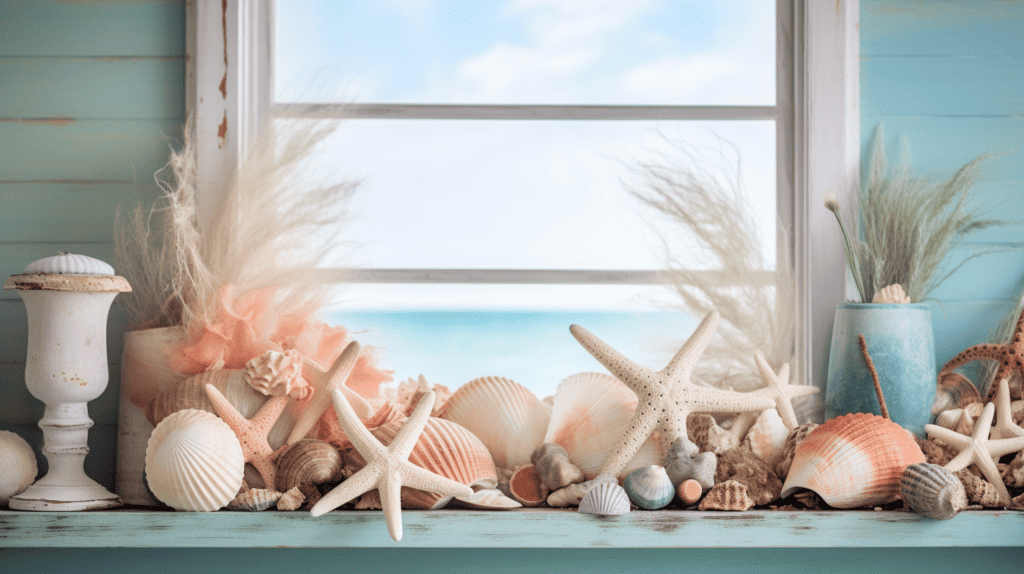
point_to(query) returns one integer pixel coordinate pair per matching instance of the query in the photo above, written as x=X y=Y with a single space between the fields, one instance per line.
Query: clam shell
x=308 y=461
x=954 y=391
x=255 y=500
x=527 y=487
x=18 y=463
x=767 y=438
x=853 y=460
x=932 y=491
x=591 y=413
x=190 y=394
x=605 y=499
x=194 y=461
x=506 y=416
x=487 y=499
x=728 y=495
x=649 y=487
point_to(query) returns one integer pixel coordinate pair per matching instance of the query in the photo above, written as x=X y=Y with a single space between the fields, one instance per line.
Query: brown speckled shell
x=954 y=391
x=1013 y=475
x=932 y=491
x=291 y=500
x=309 y=461
x=978 y=490
x=728 y=495
x=703 y=431
x=743 y=466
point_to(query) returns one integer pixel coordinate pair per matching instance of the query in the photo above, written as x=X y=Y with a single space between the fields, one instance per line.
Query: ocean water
x=533 y=348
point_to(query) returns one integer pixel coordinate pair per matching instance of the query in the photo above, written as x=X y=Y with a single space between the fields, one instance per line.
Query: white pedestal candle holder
x=67 y=298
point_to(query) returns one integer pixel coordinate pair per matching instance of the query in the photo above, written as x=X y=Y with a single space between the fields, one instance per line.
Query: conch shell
x=891 y=294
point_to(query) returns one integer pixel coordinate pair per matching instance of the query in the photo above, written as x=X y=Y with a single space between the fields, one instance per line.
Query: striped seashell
x=443 y=448
x=255 y=500
x=487 y=499
x=291 y=500
x=949 y=419
x=508 y=418
x=190 y=394
x=605 y=499
x=853 y=460
x=526 y=486
x=591 y=413
x=573 y=494
x=932 y=491
x=649 y=487
x=689 y=491
x=309 y=461
x=728 y=495
x=194 y=462
x=891 y=294
x=796 y=436
x=69 y=264
x=954 y=391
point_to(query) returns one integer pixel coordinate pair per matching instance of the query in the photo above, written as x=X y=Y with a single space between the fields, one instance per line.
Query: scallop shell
x=444 y=448
x=728 y=495
x=190 y=394
x=891 y=294
x=591 y=413
x=767 y=438
x=18 y=462
x=308 y=461
x=573 y=494
x=605 y=499
x=649 y=487
x=194 y=461
x=955 y=391
x=69 y=264
x=487 y=499
x=255 y=500
x=933 y=491
x=506 y=416
x=527 y=487
x=853 y=460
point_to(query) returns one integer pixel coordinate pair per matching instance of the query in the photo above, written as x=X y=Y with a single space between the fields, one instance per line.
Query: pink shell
x=853 y=460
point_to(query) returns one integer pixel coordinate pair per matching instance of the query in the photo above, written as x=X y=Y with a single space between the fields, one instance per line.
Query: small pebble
x=689 y=491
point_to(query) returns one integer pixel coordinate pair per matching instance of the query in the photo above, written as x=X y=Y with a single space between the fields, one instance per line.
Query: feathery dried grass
x=706 y=201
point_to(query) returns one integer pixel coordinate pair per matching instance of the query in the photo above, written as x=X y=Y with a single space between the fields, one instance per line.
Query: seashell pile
x=649 y=487
x=291 y=500
x=932 y=491
x=605 y=499
x=18 y=463
x=796 y=436
x=708 y=436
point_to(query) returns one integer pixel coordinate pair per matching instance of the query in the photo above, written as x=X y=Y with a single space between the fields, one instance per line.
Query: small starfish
x=1010 y=356
x=252 y=433
x=387 y=467
x=324 y=381
x=978 y=449
x=665 y=398
x=1005 y=427
x=780 y=391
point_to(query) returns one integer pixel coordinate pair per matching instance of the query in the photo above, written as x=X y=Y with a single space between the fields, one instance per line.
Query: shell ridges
x=605 y=499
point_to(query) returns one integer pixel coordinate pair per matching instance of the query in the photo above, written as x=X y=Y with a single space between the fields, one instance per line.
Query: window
x=512 y=78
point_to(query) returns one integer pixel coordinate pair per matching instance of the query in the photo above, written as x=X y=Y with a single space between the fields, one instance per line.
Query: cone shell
x=194 y=461
x=18 y=463
x=190 y=393
x=591 y=413
x=932 y=491
x=506 y=416
x=728 y=495
x=526 y=486
x=308 y=461
x=605 y=499
x=255 y=500
x=649 y=487
x=954 y=391
x=853 y=460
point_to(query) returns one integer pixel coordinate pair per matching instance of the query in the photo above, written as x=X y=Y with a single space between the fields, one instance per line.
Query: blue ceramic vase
x=902 y=347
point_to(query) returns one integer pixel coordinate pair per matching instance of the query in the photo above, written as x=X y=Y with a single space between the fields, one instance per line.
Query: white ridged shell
x=18 y=465
x=605 y=499
x=506 y=416
x=194 y=461
x=591 y=412
x=69 y=264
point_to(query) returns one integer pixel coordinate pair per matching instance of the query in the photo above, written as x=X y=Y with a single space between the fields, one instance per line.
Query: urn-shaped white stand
x=67 y=298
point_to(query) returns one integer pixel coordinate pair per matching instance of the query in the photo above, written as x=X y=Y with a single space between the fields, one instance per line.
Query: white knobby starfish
x=780 y=391
x=325 y=381
x=1005 y=427
x=979 y=449
x=665 y=398
x=387 y=467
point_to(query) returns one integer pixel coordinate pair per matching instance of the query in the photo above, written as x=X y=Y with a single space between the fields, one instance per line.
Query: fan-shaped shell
x=190 y=394
x=954 y=391
x=69 y=264
x=308 y=461
x=18 y=463
x=649 y=487
x=255 y=500
x=591 y=413
x=932 y=491
x=605 y=499
x=194 y=461
x=506 y=416
x=853 y=460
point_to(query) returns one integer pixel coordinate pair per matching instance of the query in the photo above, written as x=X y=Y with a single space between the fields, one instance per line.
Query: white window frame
x=229 y=87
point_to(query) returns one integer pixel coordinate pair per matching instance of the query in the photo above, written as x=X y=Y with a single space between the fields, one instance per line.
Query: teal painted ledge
x=527 y=528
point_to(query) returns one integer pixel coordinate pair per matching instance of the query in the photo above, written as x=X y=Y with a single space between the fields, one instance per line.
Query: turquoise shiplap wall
x=90 y=92
x=949 y=78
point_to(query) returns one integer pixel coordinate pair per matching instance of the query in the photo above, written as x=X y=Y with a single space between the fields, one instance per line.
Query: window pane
x=667 y=52
x=529 y=195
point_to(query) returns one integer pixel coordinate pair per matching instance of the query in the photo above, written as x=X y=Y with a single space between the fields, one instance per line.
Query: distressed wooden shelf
x=526 y=528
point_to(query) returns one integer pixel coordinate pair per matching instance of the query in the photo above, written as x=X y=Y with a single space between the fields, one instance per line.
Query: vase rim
x=916 y=306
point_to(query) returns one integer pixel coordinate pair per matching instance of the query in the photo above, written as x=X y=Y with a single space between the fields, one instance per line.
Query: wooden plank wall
x=948 y=79
x=91 y=94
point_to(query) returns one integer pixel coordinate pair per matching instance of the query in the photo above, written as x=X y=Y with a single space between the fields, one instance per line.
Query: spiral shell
x=275 y=373
x=728 y=495
x=932 y=491
x=605 y=499
x=891 y=294
x=954 y=391
x=255 y=500
x=18 y=463
x=69 y=264
x=506 y=416
x=308 y=461
x=853 y=460
x=194 y=461
x=649 y=487
x=291 y=500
